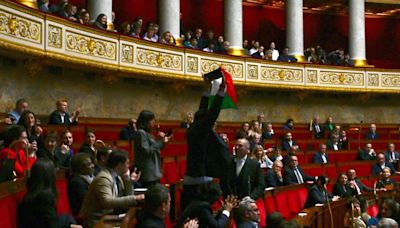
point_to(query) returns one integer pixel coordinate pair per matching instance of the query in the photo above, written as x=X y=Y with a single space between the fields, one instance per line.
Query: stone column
x=357 y=32
x=169 y=17
x=294 y=29
x=233 y=26
x=96 y=7
x=29 y=3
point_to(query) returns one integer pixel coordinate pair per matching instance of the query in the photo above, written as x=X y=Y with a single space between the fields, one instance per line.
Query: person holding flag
x=208 y=154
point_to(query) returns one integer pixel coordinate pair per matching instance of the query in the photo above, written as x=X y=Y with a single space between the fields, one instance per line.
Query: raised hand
x=193 y=223
x=231 y=202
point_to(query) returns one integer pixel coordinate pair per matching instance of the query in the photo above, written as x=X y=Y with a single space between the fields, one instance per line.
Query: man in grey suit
x=111 y=189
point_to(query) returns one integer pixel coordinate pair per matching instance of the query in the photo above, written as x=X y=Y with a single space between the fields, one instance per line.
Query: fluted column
x=97 y=7
x=29 y=3
x=357 y=32
x=169 y=18
x=294 y=29
x=233 y=21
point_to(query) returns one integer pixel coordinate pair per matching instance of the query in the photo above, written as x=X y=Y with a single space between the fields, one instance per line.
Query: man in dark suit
x=288 y=142
x=244 y=175
x=261 y=121
x=157 y=205
x=321 y=157
x=366 y=154
x=128 y=132
x=372 y=134
x=200 y=138
x=318 y=193
x=61 y=115
x=294 y=174
x=381 y=164
x=317 y=128
x=248 y=215
x=354 y=182
x=274 y=177
x=268 y=132
x=391 y=155
x=333 y=142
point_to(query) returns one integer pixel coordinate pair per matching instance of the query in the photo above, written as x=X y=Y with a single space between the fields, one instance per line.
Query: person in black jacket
x=342 y=187
x=359 y=186
x=61 y=115
x=294 y=174
x=318 y=193
x=274 y=177
x=128 y=132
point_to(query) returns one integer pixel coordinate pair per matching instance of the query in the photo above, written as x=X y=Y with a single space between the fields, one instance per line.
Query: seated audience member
x=61 y=115
x=82 y=175
x=335 y=57
x=318 y=193
x=187 y=37
x=125 y=29
x=66 y=142
x=219 y=46
x=187 y=121
x=210 y=36
x=38 y=208
x=193 y=43
x=342 y=187
x=259 y=54
x=210 y=47
x=84 y=18
x=385 y=180
x=44 y=6
x=167 y=38
x=285 y=57
x=329 y=126
x=294 y=151
x=15 y=143
x=289 y=125
x=391 y=155
x=275 y=53
x=261 y=121
x=254 y=48
x=387 y=210
x=200 y=207
x=372 y=134
x=56 y=7
x=110 y=191
x=288 y=142
x=317 y=129
x=259 y=155
x=268 y=133
x=243 y=132
x=381 y=164
x=68 y=12
x=225 y=47
x=156 y=28
x=149 y=35
x=353 y=217
x=52 y=152
x=254 y=128
x=64 y=153
x=20 y=106
x=136 y=30
x=247 y=214
x=245 y=47
x=101 y=22
x=343 y=140
x=268 y=55
x=101 y=160
x=254 y=140
x=89 y=146
x=321 y=157
x=333 y=143
x=128 y=132
x=366 y=154
x=354 y=182
x=276 y=154
x=274 y=176
x=275 y=219
x=244 y=176
x=29 y=121
x=201 y=42
x=294 y=174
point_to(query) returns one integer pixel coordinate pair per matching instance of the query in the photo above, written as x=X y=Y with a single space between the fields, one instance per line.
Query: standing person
x=38 y=208
x=147 y=149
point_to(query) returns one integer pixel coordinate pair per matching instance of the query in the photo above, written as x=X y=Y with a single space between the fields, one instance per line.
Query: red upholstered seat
x=313 y=170
x=302 y=196
x=263 y=213
x=181 y=166
x=170 y=170
x=330 y=171
x=269 y=203
x=294 y=202
x=282 y=205
x=62 y=200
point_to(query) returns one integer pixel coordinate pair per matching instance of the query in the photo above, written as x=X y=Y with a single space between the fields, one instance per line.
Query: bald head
x=242 y=148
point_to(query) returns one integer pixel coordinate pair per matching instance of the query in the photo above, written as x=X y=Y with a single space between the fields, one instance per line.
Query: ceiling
x=372 y=7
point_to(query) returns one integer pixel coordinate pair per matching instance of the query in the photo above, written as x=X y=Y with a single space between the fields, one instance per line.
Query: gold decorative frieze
x=54 y=37
x=252 y=71
x=153 y=58
x=341 y=78
x=127 y=53
x=390 y=80
x=90 y=46
x=373 y=79
x=312 y=76
x=20 y=27
x=235 y=69
x=192 y=64
x=281 y=75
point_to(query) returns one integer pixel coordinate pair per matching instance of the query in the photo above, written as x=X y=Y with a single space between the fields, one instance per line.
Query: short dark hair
x=144 y=119
x=13 y=133
x=155 y=196
x=52 y=136
x=102 y=152
x=116 y=157
x=209 y=192
x=42 y=177
x=77 y=162
x=20 y=101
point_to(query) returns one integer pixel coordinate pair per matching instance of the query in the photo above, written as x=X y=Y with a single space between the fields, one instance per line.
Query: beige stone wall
x=126 y=97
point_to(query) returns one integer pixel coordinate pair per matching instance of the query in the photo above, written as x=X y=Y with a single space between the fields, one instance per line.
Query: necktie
x=117 y=183
x=317 y=128
x=393 y=157
x=298 y=176
x=324 y=159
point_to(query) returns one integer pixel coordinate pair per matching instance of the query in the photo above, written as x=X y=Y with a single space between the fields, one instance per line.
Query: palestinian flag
x=216 y=76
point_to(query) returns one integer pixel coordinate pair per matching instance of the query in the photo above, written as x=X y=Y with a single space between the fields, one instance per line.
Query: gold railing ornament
x=12 y=25
x=29 y=3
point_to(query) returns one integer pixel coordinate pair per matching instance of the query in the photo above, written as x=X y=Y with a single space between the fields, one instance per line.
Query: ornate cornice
x=30 y=33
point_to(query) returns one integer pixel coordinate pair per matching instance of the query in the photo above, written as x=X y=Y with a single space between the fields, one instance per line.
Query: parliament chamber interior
x=298 y=122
